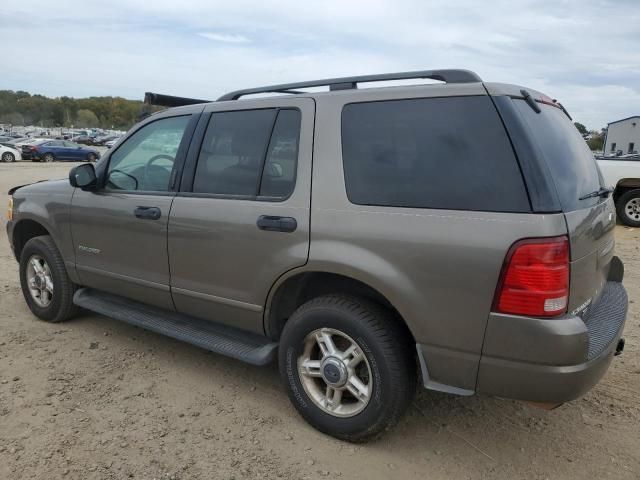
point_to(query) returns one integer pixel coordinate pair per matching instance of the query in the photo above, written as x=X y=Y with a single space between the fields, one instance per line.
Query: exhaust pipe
x=619 y=347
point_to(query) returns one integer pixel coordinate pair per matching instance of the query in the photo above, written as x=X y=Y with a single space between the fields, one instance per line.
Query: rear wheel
x=628 y=207
x=348 y=366
x=48 y=157
x=46 y=287
x=8 y=157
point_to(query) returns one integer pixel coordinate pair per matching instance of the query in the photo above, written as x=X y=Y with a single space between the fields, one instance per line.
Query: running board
x=232 y=342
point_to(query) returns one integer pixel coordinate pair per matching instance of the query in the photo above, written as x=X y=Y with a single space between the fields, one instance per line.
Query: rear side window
x=248 y=153
x=444 y=153
x=572 y=165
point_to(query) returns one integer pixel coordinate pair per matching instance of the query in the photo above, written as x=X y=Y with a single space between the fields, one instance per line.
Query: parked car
x=103 y=139
x=9 y=154
x=58 y=150
x=111 y=143
x=622 y=174
x=83 y=139
x=457 y=234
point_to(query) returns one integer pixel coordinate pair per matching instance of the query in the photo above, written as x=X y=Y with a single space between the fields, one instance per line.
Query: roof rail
x=161 y=100
x=347 y=83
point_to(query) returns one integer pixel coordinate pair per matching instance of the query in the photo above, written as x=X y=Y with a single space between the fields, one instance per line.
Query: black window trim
x=178 y=164
x=193 y=157
x=507 y=133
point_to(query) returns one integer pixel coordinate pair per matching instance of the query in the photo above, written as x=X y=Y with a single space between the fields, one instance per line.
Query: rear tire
x=352 y=409
x=48 y=157
x=40 y=258
x=628 y=208
x=8 y=157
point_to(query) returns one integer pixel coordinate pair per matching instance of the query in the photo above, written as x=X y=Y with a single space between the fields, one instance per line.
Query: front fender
x=48 y=204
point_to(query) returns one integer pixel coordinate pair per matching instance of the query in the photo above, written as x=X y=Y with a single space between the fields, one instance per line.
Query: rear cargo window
x=572 y=165
x=445 y=153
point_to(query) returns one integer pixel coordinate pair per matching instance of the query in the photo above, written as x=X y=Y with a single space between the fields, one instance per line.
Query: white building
x=623 y=135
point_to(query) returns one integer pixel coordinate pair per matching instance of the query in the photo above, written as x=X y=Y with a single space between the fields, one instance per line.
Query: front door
x=241 y=219
x=120 y=230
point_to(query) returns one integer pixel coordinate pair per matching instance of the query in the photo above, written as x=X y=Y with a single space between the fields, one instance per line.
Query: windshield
x=572 y=165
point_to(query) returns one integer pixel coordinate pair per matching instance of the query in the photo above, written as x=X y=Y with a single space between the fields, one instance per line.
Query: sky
x=584 y=53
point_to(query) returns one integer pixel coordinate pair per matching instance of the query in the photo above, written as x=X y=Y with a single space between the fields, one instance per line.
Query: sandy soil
x=97 y=399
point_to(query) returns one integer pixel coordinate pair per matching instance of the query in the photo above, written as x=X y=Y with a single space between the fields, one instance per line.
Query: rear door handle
x=148 y=213
x=277 y=224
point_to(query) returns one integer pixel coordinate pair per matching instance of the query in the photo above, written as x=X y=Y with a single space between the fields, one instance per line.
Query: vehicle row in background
x=62 y=150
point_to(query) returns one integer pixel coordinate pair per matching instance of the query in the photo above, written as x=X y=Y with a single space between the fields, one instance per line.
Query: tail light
x=535 y=278
x=33 y=149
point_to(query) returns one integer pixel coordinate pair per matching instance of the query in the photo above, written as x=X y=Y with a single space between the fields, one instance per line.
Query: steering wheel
x=148 y=168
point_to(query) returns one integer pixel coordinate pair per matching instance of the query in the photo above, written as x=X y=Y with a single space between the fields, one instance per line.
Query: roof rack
x=161 y=100
x=347 y=83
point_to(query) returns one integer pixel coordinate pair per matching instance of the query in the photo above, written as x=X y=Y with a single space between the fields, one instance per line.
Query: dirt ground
x=94 y=398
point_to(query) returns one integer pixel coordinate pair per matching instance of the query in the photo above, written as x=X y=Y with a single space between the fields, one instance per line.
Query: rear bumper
x=552 y=361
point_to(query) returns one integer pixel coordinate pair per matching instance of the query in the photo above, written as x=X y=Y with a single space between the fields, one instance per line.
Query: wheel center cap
x=38 y=281
x=334 y=372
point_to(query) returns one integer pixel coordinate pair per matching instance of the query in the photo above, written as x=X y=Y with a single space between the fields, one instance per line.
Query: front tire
x=628 y=208
x=348 y=366
x=46 y=287
x=91 y=157
x=8 y=157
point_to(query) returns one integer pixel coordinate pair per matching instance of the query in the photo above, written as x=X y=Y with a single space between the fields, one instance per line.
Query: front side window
x=249 y=153
x=144 y=162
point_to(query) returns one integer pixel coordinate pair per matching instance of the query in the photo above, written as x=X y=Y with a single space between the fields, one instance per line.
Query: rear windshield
x=445 y=153
x=572 y=165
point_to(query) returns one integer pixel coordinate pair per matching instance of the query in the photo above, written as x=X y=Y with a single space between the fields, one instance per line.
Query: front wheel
x=8 y=157
x=348 y=366
x=91 y=157
x=46 y=287
x=628 y=207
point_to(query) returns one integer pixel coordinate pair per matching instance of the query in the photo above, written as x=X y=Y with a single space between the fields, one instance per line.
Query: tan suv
x=457 y=233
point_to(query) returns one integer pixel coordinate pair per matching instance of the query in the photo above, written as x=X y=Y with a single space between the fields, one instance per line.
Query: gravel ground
x=97 y=399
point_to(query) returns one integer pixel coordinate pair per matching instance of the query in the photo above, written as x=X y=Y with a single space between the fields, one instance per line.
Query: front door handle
x=148 y=213
x=277 y=224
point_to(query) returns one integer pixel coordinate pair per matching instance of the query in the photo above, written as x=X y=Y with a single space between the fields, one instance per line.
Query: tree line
x=22 y=108
x=594 y=138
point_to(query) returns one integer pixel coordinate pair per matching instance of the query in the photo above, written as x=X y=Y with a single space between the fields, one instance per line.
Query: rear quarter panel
x=438 y=268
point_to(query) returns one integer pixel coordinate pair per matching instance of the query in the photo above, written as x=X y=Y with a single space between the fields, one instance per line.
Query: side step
x=229 y=341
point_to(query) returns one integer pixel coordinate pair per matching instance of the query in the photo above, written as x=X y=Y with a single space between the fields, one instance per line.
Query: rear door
x=241 y=218
x=575 y=174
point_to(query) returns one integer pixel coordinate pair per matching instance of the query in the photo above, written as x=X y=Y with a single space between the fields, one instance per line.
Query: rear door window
x=443 y=153
x=249 y=154
x=571 y=163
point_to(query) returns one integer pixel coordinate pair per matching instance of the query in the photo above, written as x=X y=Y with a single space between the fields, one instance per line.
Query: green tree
x=581 y=128
x=596 y=142
x=86 y=118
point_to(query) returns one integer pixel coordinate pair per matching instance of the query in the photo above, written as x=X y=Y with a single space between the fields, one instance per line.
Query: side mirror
x=83 y=176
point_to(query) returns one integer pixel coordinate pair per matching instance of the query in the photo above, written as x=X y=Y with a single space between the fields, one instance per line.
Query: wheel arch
x=624 y=185
x=300 y=286
x=23 y=231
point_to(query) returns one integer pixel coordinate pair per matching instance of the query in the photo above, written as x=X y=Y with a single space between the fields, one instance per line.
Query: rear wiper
x=563 y=109
x=603 y=192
